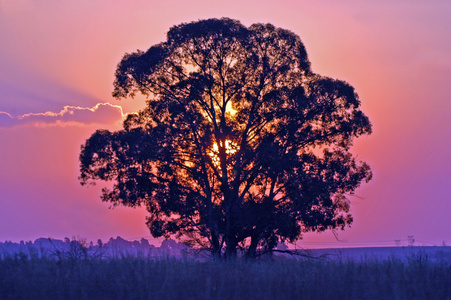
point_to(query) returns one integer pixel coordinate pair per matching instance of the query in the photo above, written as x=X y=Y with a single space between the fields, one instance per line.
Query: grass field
x=147 y=278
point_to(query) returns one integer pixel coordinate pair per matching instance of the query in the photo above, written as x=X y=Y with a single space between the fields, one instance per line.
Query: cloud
x=6 y=120
x=101 y=113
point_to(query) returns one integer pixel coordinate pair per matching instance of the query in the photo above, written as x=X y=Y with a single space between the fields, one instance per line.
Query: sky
x=57 y=64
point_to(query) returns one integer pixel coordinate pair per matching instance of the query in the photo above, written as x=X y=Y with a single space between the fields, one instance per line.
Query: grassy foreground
x=146 y=278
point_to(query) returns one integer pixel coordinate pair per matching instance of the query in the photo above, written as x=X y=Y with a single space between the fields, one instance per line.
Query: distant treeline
x=79 y=247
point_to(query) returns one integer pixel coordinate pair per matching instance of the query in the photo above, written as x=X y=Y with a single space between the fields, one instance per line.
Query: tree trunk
x=231 y=248
x=215 y=247
x=252 y=250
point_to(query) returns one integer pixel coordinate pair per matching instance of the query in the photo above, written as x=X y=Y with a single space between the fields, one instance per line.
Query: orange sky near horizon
x=57 y=57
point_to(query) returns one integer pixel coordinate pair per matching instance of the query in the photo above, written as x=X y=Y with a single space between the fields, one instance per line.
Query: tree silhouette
x=240 y=145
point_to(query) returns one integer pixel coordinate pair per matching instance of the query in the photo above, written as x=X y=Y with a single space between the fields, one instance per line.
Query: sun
x=230 y=147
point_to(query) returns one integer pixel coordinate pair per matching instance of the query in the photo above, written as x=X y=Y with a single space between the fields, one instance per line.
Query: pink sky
x=57 y=62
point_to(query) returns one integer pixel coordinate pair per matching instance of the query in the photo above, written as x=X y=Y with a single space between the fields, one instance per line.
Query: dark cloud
x=101 y=113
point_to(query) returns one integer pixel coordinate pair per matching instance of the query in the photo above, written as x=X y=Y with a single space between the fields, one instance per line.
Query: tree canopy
x=240 y=146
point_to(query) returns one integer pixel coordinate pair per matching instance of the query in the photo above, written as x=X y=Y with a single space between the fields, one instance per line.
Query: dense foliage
x=240 y=145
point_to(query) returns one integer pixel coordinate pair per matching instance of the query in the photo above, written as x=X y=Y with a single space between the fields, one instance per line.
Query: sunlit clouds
x=101 y=113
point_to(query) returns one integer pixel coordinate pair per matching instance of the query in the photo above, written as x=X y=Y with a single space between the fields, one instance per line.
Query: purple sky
x=57 y=62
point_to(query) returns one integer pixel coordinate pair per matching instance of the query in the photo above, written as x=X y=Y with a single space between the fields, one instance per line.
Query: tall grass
x=147 y=278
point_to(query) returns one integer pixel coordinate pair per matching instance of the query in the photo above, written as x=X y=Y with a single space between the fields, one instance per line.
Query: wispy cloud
x=101 y=113
x=6 y=120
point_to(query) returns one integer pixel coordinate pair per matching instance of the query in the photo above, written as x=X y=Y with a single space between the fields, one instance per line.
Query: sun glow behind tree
x=230 y=149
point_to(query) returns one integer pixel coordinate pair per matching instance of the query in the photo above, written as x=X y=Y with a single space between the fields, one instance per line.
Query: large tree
x=240 y=145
